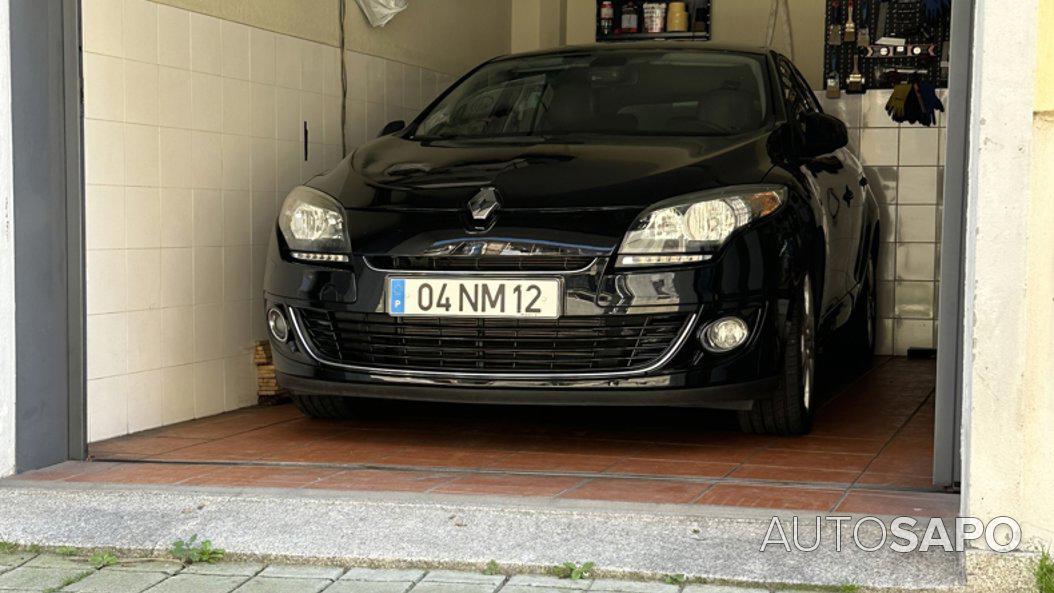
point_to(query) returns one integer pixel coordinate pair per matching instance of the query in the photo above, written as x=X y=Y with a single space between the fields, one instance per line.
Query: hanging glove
x=913 y=107
x=896 y=104
x=934 y=9
x=929 y=98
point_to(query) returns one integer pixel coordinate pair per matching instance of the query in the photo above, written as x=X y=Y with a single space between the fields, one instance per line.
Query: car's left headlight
x=314 y=226
x=687 y=228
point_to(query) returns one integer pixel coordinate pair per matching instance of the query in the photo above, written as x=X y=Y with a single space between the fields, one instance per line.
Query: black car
x=671 y=224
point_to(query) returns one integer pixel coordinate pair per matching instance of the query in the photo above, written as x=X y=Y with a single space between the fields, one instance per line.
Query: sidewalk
x=43 y=573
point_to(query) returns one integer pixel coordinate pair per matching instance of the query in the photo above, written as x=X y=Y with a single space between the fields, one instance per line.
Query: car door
x=835 y=180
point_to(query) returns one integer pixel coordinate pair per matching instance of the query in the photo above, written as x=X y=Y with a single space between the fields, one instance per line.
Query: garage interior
x=197 y=124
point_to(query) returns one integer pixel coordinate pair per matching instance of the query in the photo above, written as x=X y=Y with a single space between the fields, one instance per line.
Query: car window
x=794 y=96
x=632 y=92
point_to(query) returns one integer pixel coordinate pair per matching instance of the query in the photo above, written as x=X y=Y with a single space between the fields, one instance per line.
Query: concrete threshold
x=384 y=530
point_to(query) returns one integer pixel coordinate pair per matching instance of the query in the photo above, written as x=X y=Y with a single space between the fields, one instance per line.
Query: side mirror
x=823 y=134
x=392 y=127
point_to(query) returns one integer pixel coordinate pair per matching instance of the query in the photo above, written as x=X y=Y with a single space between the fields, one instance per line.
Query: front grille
x=568 y=344
x=496 y=263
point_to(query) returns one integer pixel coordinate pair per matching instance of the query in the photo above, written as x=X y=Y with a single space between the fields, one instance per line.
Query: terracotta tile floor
x=870 y=451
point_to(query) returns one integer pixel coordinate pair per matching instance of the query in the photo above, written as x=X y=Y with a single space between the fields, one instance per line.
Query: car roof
x=645 y=45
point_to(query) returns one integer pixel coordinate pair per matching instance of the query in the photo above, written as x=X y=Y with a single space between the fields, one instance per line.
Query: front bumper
x=752 y=278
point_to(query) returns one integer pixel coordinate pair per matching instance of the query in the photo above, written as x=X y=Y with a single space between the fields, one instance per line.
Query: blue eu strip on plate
x=397 y=296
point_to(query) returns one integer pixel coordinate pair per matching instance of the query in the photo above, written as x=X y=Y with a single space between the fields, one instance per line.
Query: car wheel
x=862 y=329
x=326 y=407
x=789 y=411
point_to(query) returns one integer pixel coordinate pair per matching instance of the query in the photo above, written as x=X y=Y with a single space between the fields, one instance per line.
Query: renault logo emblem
x=483 y=204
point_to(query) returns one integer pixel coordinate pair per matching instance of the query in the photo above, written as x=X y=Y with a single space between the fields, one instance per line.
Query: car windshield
x=613 y=92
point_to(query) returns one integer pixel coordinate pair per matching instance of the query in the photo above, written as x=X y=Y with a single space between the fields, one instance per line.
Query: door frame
x=947 y=433
x=37 y=447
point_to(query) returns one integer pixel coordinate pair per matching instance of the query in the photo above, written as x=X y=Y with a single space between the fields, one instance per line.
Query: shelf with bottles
x=632 y=20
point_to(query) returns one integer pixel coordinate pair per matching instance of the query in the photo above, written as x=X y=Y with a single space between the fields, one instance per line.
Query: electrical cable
x=343 y=12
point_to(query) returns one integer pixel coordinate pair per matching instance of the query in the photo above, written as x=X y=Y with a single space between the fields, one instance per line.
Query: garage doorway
x=872 y=447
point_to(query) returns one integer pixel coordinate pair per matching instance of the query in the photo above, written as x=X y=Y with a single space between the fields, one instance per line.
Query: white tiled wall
x=193 y=136
x=905 y=164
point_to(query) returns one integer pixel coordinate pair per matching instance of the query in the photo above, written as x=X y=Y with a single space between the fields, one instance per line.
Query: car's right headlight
x=314 y=226
x=688 y=228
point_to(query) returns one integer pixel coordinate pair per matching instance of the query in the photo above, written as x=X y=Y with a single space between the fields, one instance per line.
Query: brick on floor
x=114 y=581
x=53 y=561
x=197 y=583
x=456 y=576
x=14 y=560
x=26 y=578
x=262 y=584
x=721 y=589
x=383 y=575
x=166 y=566
x=370 y=587
x=616 y=586
x=443 y=587
x=225 y=569
x=530 y=580
x=303 y=572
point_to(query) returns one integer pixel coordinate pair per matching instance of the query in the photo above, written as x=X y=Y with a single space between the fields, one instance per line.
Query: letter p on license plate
x=474 y=297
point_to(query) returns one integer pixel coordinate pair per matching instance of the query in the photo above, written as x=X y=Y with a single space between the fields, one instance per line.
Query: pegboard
x=882 y=67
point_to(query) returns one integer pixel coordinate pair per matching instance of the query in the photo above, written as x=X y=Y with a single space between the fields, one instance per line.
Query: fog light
x=727 y=333
x=277 y=324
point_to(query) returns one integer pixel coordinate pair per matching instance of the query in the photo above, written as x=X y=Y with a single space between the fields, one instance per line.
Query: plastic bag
x=379 y=12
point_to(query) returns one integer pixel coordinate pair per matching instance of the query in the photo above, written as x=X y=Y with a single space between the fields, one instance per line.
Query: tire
x=861 y=330
x=326 y=407
x=789 y=411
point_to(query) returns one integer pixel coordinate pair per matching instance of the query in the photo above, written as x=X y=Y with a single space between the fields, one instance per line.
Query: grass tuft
x=1045 y=573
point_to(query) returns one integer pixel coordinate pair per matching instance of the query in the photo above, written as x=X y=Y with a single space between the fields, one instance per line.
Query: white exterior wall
x=7 y=255
x=1008 y=319
x=193 y=137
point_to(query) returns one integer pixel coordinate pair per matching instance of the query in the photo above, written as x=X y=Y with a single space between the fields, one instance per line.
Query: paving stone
x=721 y=589
x=53 y=561
x=533 y=589
x=383 y=575
x=168 y=567
x=226 y=569
x=36 y=579
x=444 y=587
x=615 y=586
x=303 y=572
x=197 y=583
x=283 y=585
x=457 y=576
x=16 y=559
x=369 y=587
x=116 y=581
x=530 y=580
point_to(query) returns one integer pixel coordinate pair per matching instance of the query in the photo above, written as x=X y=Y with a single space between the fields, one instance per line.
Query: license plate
x=474 y=297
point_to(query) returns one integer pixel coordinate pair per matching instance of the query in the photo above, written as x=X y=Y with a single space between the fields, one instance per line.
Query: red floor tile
x=872 y=430
x=915 y=504
x=383 y=480
x=651 y=491
x=556 y=462
x=771 y=497
x=648 y=467
x=509 y=485
x=794 y=474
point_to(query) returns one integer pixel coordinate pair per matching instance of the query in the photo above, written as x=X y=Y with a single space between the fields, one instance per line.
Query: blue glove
x=928 y=96
x=935 y=8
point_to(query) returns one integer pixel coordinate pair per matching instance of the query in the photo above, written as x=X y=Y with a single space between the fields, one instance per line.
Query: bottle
x=630 y=20
x=607 y=17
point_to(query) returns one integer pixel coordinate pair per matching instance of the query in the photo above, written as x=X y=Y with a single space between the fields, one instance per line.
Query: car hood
x=564 y=198
x=392 y=173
